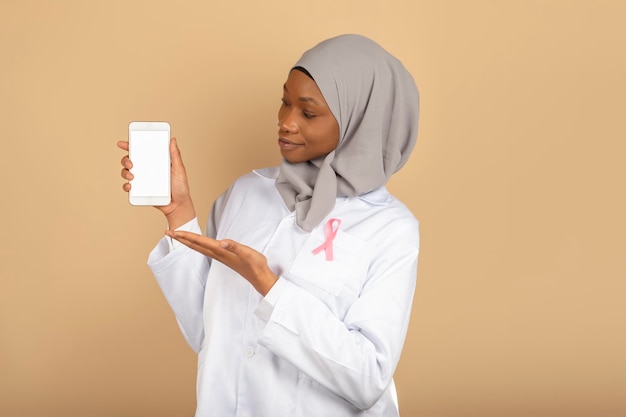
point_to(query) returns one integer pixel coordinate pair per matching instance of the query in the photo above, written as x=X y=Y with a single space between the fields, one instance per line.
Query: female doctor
x=297 y=298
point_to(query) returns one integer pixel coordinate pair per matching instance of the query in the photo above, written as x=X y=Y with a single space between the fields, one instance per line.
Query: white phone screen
x=151 y=166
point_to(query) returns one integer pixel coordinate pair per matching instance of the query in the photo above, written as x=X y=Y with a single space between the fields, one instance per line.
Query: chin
x=292 y=159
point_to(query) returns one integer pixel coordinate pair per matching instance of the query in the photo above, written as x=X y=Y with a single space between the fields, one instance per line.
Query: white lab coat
x=326 y=339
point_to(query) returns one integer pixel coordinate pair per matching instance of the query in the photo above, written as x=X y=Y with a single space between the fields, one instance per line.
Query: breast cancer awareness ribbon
x=331 y=229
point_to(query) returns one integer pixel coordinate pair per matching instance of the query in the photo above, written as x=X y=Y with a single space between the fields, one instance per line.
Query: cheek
x=334 y=134
x=329 y=141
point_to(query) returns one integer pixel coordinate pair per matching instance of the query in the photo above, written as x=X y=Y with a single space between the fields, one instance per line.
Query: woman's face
x=307 y=127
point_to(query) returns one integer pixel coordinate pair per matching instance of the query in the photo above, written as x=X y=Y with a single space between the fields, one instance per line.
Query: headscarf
x=376 y=104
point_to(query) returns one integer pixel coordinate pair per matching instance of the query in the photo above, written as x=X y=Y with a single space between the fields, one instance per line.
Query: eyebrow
x=304 y=99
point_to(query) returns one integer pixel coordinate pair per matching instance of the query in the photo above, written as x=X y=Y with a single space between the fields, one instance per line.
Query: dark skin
x=307 y=130
x=249 y=263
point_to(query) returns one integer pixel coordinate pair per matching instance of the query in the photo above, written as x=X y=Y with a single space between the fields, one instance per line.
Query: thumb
x=177 y=160
x=229 y=245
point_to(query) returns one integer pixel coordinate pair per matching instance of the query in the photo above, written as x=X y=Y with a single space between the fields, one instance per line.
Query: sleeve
x=355 y=356
x=181 y=274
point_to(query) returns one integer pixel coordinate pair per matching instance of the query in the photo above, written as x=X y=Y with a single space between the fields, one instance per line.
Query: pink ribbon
x=331 y=231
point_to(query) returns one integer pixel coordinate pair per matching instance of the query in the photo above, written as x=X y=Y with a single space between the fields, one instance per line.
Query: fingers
x=205 y=245
x=175 y=156
x=241 y=251
x=202 y=244
x=242 y=259
x=174 y=147
x=123 y=144
x=229 y=245
x=126 y=163
x=251 y=265
x=126 y=166
x=126 y=174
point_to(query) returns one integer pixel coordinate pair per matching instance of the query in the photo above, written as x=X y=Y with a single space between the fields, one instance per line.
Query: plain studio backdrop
x=517 y=180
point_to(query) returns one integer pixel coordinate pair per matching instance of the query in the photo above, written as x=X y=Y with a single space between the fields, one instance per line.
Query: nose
x=286 y=121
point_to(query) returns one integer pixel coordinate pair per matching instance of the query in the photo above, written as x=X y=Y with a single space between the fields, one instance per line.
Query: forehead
x=300 y=84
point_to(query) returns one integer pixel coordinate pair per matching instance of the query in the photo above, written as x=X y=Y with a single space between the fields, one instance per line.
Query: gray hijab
x=375 y=101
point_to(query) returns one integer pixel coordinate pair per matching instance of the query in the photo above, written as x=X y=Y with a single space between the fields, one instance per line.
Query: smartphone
x=149 y=151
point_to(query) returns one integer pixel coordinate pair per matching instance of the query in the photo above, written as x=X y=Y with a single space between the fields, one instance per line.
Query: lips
x=287 y=145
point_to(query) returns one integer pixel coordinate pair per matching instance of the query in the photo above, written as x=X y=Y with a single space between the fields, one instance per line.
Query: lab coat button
x=249 y=352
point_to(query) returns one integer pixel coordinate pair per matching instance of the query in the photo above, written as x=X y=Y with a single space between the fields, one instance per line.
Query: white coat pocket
x=337 y=282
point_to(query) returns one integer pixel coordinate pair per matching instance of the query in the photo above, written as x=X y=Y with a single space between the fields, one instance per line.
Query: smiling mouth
x=287 y=145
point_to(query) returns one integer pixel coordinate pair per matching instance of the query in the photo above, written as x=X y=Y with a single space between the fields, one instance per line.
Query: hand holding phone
x=149 y=151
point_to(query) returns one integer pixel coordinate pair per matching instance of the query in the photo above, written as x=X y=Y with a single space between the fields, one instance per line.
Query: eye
x=308 y=115
x=285 y=102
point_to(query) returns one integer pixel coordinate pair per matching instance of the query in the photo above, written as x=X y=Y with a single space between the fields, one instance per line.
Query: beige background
x=517 y=179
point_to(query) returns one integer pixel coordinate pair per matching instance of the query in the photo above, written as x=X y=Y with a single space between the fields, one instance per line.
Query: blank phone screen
x=150 y=158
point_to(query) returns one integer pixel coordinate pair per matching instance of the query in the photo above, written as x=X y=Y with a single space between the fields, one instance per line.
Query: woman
x=297 y=299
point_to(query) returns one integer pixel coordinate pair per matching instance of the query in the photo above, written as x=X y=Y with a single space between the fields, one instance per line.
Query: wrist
x=267 y=283
x=180 y=215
